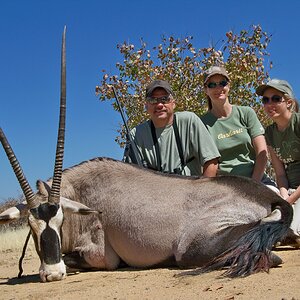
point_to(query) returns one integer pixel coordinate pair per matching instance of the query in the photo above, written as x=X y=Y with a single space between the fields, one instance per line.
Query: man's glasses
x=212 y=85
x=274 y=99
x=163 y=100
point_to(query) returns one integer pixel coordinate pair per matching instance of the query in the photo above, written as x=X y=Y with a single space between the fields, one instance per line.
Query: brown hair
x=209 y=103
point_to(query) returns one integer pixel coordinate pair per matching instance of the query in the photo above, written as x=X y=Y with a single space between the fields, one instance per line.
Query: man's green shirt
x=197 y=145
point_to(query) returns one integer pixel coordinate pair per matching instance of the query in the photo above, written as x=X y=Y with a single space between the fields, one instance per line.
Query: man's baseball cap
x=158 y=84
x=214 y=70
x=278 y=84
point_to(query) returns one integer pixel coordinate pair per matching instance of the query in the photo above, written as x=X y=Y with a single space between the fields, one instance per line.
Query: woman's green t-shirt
x=286 y=145
x=233 y=136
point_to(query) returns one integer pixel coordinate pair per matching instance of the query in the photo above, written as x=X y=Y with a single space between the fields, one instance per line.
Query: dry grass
x=14 y=239
x=13 y=234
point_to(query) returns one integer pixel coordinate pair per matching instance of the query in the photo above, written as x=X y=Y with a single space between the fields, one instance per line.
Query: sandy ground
x=281 y=283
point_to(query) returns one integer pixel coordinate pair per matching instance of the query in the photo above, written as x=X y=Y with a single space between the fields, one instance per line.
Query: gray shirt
x=197 y=145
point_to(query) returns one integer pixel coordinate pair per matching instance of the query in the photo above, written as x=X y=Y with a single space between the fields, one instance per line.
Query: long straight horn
x=55 y=189
x=31 y=199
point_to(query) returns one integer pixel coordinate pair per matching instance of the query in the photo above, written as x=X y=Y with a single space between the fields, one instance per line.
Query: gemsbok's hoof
x=275 y=260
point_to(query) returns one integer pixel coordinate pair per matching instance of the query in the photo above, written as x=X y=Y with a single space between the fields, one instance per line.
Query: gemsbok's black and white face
x=45 y=222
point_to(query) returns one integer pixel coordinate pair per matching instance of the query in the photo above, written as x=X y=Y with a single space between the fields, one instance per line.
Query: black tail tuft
x=252 y=252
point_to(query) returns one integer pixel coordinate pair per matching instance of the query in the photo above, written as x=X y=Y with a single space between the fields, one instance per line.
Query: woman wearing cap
x=283 y=140
x=236 y=130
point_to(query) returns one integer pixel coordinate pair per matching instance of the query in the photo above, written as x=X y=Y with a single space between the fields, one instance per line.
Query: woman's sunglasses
x=274 y=99
x=212 y=85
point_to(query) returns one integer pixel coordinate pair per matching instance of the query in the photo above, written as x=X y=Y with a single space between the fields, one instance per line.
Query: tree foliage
x=176 y=60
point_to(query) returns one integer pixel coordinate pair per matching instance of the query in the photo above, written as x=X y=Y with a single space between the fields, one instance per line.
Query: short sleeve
x=253 y=124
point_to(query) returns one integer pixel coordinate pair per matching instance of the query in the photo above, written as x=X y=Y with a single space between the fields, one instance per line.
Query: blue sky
x=30 y=34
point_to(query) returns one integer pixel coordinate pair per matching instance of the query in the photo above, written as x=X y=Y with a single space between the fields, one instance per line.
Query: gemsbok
x=101 y=212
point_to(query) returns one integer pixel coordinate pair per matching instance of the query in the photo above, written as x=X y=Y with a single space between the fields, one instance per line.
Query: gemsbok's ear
x=43 y=188
x=14 y=213
x=76 y=207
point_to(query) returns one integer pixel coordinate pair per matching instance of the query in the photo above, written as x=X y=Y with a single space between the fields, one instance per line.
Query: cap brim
x=261 y=89
x=150 y=91
x=216 y=73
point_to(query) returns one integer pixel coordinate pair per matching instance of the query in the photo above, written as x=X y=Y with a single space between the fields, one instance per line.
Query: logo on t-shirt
x=230 y=133
x=288 y=151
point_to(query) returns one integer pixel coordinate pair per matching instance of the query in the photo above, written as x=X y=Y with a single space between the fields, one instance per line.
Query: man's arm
x=132 y=155
x=210 y=168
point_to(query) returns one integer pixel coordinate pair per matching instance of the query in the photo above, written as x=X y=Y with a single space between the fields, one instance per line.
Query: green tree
x=179 y=62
